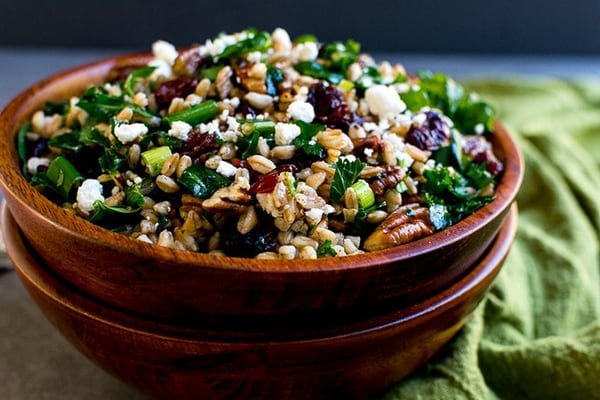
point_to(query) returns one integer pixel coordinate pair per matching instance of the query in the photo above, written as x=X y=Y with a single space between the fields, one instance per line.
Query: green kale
x=202 y=182
x=326 y=249
x=306 y=140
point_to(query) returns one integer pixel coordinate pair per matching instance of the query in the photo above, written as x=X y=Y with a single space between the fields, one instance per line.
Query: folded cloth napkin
x=536 y=335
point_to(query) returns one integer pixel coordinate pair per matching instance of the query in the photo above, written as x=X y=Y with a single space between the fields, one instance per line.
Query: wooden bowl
x=197 y=289
x=167 y=361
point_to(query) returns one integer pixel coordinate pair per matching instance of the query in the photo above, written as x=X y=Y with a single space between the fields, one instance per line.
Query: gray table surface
x=35 y=361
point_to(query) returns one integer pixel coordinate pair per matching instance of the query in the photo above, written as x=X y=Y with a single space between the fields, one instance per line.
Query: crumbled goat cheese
x=285 y=133
x=89 y=191
x=232 y=124
x=227 y=169
x=127 y=133
x=180 y=130
x=211 y=127
x=384 y=101
x=305 y=52
x=162 y=69
x=314 y=215
x=301 y=110
x=164 y=51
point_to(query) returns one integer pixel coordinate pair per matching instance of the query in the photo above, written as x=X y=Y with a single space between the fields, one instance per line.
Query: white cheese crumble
x=302 y=111
x=127 y=133
x=180 y=130
x=89 y=191
x=144 y=238
x=164 y=51
x=314 y=215
x=35 y=162
x=162 y=69
x=384 y=101
x=227 y=169
x=479 y=129
x=211 y=127
x=305 y=52
x=419 y=119
x=285 y=133
x=254 y=57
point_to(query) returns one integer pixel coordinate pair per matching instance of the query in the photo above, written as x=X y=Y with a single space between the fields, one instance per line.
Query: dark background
x=426 y=26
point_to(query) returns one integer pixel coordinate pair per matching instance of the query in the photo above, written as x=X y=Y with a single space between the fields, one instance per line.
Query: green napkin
x=536 y=335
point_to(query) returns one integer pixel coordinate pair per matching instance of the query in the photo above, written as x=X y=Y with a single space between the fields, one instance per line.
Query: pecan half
x=407 y=223
x=390 y=176
x=228 y=200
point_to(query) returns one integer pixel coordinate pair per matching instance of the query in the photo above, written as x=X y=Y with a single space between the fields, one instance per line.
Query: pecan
x=370 y=143
x=180 y=87
x=388 y=178
x=188 y=62
x=248 y=80
x=407 y=223
x=228 y=200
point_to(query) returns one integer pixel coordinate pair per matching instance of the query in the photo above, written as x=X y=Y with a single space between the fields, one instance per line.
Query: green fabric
x=536 y=335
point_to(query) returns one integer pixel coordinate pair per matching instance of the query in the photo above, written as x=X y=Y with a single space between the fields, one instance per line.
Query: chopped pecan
x=388 y=178
x=188 y=61
x=228 y=200
x=250 y=82
x=407 y=223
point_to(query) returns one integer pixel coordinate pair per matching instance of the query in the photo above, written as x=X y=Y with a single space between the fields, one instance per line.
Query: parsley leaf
x=346 y=173
x=306 y=141
x=325 y=249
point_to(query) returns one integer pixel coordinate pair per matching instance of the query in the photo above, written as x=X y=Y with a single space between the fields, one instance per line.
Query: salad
x=256 y=145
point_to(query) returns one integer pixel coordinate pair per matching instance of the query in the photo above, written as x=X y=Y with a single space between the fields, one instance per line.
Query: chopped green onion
x=196 y=114
x=346 y=85
x=63 y=175
x=154 y=159
x=265 y=126
x=364 y=193
x=326 y=249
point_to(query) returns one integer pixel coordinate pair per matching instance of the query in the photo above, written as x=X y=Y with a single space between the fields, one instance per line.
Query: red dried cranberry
x=246 y=109
x=180 y=87
x=330 y=107
x=478 y=149
x=266 y=183
x=431 y=134
x=199 y=145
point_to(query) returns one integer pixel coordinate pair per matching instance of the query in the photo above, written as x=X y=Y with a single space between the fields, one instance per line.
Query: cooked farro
x=266 y=147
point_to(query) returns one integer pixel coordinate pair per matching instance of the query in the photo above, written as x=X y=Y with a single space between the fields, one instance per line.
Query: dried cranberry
x=478 y=149
x=199 y=145
x=330 y=107
x=266 y=183
x=260 y=239
x=431 y=134
x=180 y=87
x=38 y=148
x=246 y=109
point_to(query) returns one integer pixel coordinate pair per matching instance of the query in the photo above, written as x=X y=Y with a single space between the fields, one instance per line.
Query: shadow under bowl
x=168 y=361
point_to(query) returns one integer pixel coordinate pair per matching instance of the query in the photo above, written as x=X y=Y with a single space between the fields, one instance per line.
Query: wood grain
x=171 y=362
